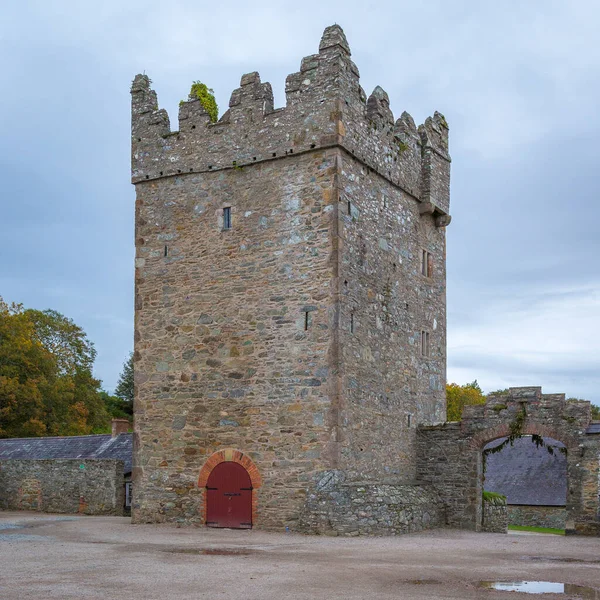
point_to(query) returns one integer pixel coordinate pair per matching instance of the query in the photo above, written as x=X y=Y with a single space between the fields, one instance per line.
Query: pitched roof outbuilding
x=119 y=447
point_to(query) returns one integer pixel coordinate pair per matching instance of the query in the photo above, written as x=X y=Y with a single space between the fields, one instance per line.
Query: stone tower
x=290 y=296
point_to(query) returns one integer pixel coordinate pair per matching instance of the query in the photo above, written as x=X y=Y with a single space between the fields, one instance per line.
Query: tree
x=26 y=375
x=124 y=389
x=116 y=407
x=80 y=408
x=459 y=396
x=67 y=341
x=46 y=381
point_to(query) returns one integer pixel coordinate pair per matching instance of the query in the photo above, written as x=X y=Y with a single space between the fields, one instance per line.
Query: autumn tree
x=27 y=375
x=459 y=396
x=46 y=381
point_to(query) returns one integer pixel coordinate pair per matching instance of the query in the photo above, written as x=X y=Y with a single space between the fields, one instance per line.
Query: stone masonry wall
x=537 y=516
x=495 y=516
x=588 y=519
x=386 y=302
x=239 y=333
x=85 y=486
x=449 y=456
x=223 y=358
x=337 y=507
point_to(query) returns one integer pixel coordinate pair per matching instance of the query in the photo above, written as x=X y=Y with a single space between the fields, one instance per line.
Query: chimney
x=119 y=426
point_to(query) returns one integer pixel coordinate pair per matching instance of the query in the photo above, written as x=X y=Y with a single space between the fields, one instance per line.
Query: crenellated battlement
x=325 y=107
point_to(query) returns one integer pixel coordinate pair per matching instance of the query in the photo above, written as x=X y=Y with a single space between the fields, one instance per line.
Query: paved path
x=51 y=556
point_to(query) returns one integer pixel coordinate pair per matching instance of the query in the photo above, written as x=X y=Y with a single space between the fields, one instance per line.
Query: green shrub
x=206 y=96
x=494 y=498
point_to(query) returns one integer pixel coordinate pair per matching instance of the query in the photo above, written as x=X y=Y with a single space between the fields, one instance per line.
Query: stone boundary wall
x=84 y=486
x=588 y=523
x=449 y=456
x=355 y=508
x=537 y=516
x=495 y=516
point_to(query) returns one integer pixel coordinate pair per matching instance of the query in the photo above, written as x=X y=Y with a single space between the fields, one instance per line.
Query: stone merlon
x=325 y=107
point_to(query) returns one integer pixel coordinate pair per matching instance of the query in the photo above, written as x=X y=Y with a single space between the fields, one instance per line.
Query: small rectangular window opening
x=227 y=217
x=408 y=420
x=426 y=263
x=349 y=207
x=424 y=343
x=128 y=494
x=166 y=250
x=351 y=322
x=306 y=320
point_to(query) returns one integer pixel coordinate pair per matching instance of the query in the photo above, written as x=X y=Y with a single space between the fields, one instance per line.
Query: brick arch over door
x=450 y=455
x=236 y=456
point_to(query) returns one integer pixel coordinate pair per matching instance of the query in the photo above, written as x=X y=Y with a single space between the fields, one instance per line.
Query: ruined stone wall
x=450 y=455
x=239 y=332
x=495 y=516
x=339 y=507
x=537 y=516
x=588 y=519
x=85 y=486
x=386 y=303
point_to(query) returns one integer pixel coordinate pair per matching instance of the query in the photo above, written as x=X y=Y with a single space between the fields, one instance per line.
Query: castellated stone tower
x=290 y=302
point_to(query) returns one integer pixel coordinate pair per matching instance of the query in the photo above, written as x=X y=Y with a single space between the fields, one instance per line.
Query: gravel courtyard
x=52 y=556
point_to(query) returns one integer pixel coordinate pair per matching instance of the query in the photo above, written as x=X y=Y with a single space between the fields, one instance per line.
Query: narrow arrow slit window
x=227 y=217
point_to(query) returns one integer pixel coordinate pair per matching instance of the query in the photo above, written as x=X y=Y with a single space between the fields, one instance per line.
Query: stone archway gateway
x=450 y=455
x=230 y=480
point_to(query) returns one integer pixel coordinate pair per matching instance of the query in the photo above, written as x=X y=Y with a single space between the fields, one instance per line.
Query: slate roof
x=593 y=428
x=77 y=446
x=526 y=474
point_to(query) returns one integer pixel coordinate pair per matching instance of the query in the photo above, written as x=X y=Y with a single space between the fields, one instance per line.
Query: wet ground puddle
x=212 y=551
x=542 y=587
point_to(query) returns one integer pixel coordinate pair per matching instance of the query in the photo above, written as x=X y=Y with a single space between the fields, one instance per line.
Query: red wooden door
x=229 y=497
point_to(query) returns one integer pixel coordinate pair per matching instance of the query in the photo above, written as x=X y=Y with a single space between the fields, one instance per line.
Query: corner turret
x=435 y=182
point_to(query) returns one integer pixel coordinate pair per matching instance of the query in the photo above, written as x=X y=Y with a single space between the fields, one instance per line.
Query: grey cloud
x=517 y=81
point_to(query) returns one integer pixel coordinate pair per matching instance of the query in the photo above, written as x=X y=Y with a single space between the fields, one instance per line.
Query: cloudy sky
x=518 y=82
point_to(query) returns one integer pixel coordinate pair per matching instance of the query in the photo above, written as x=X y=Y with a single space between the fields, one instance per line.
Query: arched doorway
x=547 y=436
x=450 y=455
x=229 y=497
x=531 y=472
